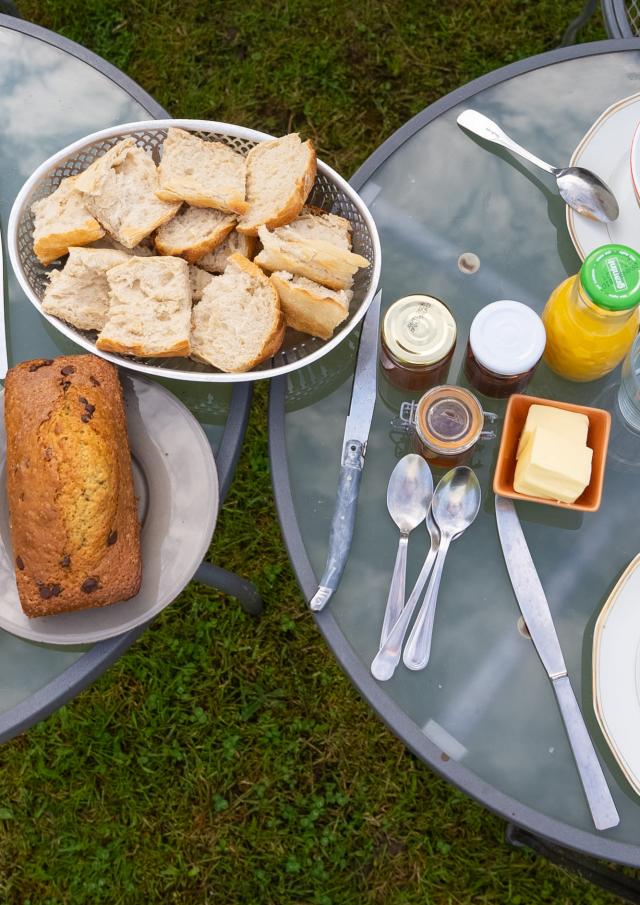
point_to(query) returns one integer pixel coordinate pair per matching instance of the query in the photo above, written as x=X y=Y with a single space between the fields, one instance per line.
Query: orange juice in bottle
x=592 y=318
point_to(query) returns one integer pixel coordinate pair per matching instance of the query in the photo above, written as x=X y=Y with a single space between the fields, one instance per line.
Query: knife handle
x=344 y=518
x=601 y=805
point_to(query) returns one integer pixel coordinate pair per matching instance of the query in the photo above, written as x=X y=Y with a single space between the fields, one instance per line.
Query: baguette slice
x=62 y=220
x=79 y=293
x=238 y=323
x=216 y=260
x=150 y=308
x=317 y=259
x=119 y=190
x=194 y=232
x=280 y=175
x=198 y=279
x=203 y=173
x=310 y=307
x=314 y=223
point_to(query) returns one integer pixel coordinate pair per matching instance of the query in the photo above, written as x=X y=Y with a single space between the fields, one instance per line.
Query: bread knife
x=354 y=448
x=537 y=616
x=4 y=364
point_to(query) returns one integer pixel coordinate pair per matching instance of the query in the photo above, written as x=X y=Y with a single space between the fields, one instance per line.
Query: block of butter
x=569 y=424
x=555 y=462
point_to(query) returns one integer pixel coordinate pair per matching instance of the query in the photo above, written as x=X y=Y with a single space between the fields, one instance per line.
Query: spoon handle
x=486 y=128
x=395 y=599
x=418 y=647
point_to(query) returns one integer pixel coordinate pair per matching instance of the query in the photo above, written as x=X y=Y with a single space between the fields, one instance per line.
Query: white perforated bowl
x=330 y=192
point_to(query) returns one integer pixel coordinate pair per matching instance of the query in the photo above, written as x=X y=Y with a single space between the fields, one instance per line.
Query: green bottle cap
x=610 y=275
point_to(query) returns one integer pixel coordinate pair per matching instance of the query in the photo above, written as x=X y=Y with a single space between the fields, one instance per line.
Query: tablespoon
x=385 y=662
x=408 y=499
x=581 y=189
x=456 y=503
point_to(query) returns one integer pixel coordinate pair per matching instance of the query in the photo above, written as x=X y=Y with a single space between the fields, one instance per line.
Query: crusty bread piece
x=120 y=191
x=194 y=232
x=310 y=307
x=320 y=260
x=150 y=308
x=72 y=509
x=203 y=173
x=239 y=322
x=198 y=279
x=62 y=220
x=314 y=223
x=280 y=175
x=216 y=260
x=79 y=293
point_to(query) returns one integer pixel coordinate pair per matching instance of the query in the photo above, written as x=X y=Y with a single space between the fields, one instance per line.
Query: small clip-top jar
x=417 y=340
x=448 y=424
x=506 y=342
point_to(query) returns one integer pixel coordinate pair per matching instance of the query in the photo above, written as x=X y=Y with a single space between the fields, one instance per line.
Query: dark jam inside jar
x=417 y=378
x=449 y=421
x=488 y=383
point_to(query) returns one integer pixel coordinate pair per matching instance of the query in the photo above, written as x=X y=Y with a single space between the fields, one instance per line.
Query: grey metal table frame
x=92 y=664
x=561 y=843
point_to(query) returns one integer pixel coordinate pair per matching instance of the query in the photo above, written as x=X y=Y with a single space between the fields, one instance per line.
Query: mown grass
x=225 y=759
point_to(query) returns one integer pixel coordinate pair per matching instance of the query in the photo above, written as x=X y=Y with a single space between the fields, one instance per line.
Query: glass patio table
x=53 y=92
x=483 y=713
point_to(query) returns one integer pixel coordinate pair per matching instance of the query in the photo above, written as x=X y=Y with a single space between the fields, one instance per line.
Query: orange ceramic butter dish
x=597 y=440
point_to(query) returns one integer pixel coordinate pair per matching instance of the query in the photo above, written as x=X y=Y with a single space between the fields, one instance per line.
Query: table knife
x=3 y=338
x=537 y=616
x=354 y=447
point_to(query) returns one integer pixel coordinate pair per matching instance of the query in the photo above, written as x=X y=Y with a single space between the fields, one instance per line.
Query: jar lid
x=449 y=419
x=610 y=275
x=507 y=338
x=418 y=330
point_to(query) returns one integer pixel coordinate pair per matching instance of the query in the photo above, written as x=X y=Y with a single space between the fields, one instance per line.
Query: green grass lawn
x=225 y=759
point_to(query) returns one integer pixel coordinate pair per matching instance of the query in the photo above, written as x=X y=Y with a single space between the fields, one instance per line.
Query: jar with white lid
x=506 y=342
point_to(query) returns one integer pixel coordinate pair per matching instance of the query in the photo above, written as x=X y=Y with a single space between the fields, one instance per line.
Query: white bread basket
x=330 y=192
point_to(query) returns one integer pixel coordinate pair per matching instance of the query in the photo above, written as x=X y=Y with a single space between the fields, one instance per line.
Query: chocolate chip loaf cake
x=74 y=525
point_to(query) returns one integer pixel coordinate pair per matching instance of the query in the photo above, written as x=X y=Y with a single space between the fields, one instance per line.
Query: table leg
x=576 y=24
x=623 y=885
x=232 y=584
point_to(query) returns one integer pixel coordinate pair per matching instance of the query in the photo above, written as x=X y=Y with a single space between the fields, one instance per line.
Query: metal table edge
x=92 y=664
x=510 y=809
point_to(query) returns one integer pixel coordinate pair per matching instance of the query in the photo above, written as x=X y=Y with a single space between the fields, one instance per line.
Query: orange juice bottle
x=592 y=318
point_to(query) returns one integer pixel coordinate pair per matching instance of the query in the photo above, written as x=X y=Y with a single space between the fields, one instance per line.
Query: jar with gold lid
x=417 y=341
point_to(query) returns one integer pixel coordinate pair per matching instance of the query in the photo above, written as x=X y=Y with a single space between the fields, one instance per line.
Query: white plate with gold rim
x=606 y=149
x=616 y=672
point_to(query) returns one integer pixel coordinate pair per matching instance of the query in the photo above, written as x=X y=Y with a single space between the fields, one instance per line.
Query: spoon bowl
x=587 y=194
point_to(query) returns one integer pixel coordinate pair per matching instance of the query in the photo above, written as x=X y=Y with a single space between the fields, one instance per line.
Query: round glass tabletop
x=53 y=92
x=483 y=712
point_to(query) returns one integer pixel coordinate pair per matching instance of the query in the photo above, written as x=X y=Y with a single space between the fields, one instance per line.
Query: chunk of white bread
x=239 y=321
x=150 y=308
x=216 y=260
x=79 y=293
x=198 y=279
x=203 y=173
x=120 y=191
x=280 y=175
x=316 y=247
x=310 y=307
x=194 y=232
x=62 y=220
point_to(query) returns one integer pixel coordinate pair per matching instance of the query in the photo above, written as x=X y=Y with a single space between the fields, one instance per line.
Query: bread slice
x=198 y=279
x=79 y=293
x=120 y=191
x=150 y=308
x=314 y=223
x=216 y=260
x=239 y=322
x=319 y=259
x=194 y=232
x=203 y=173
x=280 y=175
x=62 y=220
x=310 y=307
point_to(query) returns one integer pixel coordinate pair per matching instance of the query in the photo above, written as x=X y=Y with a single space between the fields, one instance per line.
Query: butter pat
x=571 y=425
x=553 y=465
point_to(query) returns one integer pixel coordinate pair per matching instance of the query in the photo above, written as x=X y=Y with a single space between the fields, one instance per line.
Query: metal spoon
x=408 y=499
x=388 y=657
x=581 y=189
x=456 y=503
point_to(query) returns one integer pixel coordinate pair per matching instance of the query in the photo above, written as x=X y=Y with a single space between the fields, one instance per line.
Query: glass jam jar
x=591 y=318
x=417 y=340
x=448 y=424
x=506 y=342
